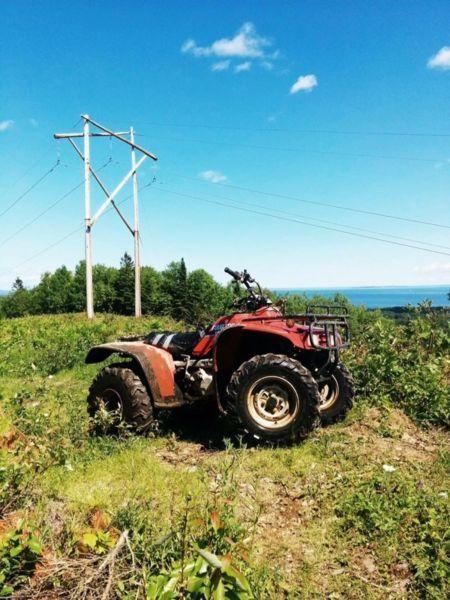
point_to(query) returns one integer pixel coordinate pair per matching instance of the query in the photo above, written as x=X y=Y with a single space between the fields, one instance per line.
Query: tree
x=17 y=303
x=174 y=290
x=17 y=285
x=105 y=279
x=151 y=290
x=206 y=298
x=77 y=299
x=124 y=287
x=53 y=293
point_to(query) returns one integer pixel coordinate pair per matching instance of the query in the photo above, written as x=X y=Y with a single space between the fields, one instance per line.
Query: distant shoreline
x=362 y=287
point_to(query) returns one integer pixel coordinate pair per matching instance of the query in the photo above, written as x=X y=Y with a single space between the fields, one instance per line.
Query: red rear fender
x=156 y=364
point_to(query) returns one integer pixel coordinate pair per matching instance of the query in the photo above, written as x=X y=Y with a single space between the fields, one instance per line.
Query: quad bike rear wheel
x=273 y=398
x=119 y=390
x=336 y=395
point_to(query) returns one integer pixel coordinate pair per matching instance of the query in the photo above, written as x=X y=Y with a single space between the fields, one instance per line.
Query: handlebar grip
x=234 y=274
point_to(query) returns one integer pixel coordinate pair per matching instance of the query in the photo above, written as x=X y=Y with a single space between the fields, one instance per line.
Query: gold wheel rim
x=329 y=393
x=273 y=402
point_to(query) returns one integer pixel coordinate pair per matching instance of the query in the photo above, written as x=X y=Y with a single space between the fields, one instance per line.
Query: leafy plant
x=407 y=520
x=20 y=551
x=207 y=576
x=95 y=541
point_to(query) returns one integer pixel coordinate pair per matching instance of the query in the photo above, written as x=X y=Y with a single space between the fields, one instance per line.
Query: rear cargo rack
x=333 y=327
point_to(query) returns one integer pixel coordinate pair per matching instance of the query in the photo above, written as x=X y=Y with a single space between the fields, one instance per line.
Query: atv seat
x=175 y=343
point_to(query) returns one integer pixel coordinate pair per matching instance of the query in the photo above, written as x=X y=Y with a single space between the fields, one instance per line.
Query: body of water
x=381 y=297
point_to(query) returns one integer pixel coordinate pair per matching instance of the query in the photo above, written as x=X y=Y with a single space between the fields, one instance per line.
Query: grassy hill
x=358 y=510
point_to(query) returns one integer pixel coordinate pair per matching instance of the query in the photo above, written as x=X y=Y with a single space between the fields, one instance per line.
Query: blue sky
x=250 y=94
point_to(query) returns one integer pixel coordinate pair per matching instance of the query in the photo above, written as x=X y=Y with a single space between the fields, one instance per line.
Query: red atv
x=274 y=375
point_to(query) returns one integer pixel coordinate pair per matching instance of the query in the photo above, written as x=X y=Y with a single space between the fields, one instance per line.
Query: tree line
x=193 y=297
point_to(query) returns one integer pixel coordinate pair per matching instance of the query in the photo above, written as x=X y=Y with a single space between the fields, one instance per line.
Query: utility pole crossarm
x=63 y=136
x=119 y=137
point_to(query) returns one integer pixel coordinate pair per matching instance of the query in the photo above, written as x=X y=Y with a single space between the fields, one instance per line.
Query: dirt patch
x=394 y=436
x=185 y=456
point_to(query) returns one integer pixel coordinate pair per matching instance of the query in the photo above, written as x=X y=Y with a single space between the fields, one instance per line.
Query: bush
x=50 y=344
x=408 y=521
x=20 y=551
x=406 y=363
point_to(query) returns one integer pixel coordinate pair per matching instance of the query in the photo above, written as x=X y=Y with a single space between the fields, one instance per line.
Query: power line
x=25 y=173
x=41 y=214
x=48 y=248
x=315 y=202
x=46 y=210
x=32 y=186
x=314 y=131
x=281 y=218
x=71 y=233
x=308 y=150
x=296 y=215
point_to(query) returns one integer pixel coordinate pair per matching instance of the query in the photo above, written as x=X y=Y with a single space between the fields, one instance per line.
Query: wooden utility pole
x=137 y=241
x=89 y=220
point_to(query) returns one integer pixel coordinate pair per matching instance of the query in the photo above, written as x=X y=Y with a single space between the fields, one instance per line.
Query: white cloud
x=212 y=176
x=441 y=60
x=188 y=46
x=4 y=125
x=246 y=43
x=33 y=122
x=245 y=66
x=222 y=65
x=305 y=83
x=266 y=64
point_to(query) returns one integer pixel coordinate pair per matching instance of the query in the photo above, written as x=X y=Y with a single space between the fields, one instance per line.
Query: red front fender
x=156 y=364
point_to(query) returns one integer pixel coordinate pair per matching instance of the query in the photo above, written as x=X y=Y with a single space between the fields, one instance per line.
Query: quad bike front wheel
x=336 y=395
x=273 y=398
x=119 y=397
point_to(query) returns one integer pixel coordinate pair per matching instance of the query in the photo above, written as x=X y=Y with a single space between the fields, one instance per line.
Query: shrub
x=407 y=520
x=407 y=363
x=20 y=551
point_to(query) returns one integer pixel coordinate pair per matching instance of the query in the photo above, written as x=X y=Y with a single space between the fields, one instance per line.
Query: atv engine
x=195 y=378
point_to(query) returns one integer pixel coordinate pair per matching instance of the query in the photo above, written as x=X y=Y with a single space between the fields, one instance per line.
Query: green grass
x=326 y=518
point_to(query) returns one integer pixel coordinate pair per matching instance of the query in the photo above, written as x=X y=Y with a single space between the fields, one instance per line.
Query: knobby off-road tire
x=273 y=398
x=336 y=395
x=120 y=390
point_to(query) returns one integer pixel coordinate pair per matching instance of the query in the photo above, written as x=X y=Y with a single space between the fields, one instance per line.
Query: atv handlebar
x=255 y=300
x=233 y=274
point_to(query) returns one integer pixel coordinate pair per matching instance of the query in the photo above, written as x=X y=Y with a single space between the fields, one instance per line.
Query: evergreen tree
x=77 y=299
x=17 y=303
x=124 y=287
x=105 y=288
x=174 y=290
x=151 y=290
x=17 y=286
